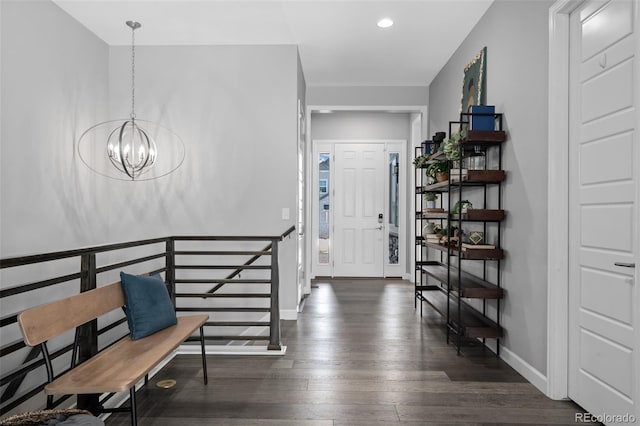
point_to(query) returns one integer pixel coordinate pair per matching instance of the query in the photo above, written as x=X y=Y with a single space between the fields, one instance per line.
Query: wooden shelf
x=436 y=187
x=471 y=178
x=484 y=137
x=480 y=254
x=444 y=284
x=472 y=287
x=440 y=215
x=474 y=324
x=472 y=215
x=468 y=254
x=481 y=215
x=479 y=177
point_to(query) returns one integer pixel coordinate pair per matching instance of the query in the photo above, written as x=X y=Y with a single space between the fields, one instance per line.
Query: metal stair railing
x=65 y=273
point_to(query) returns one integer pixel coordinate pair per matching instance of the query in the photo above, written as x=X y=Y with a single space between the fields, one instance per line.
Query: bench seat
x=118 y=367
x=122 y=365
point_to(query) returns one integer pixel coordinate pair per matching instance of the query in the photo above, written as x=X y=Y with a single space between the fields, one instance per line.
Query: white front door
x=359 y=198
x=359 y=210
x=603 y=206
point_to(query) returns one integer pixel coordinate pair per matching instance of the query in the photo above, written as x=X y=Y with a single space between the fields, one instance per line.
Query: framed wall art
x=474 y=82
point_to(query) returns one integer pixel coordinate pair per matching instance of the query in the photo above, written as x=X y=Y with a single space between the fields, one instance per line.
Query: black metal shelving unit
x=457 y=287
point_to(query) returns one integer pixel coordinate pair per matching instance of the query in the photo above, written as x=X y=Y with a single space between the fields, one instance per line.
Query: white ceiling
x=339 y=42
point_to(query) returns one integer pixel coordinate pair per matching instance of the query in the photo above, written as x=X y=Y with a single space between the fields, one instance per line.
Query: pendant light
x=129 y=146
x=131 y=150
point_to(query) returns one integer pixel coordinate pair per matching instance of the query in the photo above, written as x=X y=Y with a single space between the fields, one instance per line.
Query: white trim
x=308 y=255
x=317 y=268
x=384 y=108
x=289 y=314
x=395 y=270
x=390 y=145
x=636 y=302
x=422 y=110
x=229 y=350
x=416 y=141
x=527 y=371
x=557 y=202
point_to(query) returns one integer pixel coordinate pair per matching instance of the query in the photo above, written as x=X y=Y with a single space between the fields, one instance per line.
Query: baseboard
x=408 y=277
x=536 y=378
x=230 y=350
x=288 y=314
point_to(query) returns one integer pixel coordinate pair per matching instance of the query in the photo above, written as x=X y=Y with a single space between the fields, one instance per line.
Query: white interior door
x=603 y=293
x=359 y=210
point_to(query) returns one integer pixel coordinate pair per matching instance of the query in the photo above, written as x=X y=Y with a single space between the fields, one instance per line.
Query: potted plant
x=461 y=207
x=451 y=147
x=420 y=161
x=447 y=233
x=438 y=171
x=430 y=199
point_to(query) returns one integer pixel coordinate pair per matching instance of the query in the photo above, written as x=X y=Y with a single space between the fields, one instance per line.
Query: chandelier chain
x=133 y=73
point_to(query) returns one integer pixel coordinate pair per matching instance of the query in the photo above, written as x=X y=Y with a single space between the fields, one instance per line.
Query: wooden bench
x=115 y=369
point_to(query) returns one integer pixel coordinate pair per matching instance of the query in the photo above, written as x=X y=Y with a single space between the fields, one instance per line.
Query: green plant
x=460 y=206
x=451 y=147
x=420 y=161
x=437 y=167
x=447 y=231
x=430 y=196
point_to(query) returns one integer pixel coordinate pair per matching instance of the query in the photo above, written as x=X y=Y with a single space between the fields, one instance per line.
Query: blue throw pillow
x=149 y=308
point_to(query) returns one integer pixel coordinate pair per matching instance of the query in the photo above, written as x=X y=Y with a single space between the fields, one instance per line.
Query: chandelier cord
x=133 y=73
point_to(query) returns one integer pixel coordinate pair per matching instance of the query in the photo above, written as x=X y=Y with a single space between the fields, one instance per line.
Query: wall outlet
x=286 y=215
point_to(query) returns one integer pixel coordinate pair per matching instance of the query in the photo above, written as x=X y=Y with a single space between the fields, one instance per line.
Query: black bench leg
x=204 y=356
x=132 y=403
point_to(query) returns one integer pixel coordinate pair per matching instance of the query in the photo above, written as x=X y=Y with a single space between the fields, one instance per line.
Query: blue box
x=486 y=121
x=426 y=147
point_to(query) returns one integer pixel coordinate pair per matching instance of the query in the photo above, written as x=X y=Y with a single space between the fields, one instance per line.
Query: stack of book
x=467 y=246
x=455 y=174
x=432 y=238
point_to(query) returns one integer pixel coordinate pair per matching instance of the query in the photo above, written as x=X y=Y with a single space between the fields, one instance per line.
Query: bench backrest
x=43 y=322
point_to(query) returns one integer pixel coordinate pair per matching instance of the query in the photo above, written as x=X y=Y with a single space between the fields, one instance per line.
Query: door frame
x=558 y=196
x=419 y=121
x=403 y=231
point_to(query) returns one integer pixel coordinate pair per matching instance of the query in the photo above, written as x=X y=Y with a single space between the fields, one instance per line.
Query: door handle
x=379 y=228
x=625 y=265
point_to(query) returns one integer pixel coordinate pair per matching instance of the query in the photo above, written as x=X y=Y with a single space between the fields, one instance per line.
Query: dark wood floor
x=359 y=355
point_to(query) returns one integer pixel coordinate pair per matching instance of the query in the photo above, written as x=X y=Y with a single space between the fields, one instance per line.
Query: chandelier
x=131 y=150
x=129 y=146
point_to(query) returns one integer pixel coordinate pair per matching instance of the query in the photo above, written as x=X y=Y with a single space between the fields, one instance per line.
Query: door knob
x=625 y=265
x=379 y=228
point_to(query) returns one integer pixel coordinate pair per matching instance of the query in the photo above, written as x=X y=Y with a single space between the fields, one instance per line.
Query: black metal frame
x=420 y=283
x=85 y=343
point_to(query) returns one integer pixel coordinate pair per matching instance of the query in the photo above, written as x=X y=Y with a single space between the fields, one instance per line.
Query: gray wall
x=360 y=125
x=368 y=95
x=54 y=85
x=516 y=36
x=235 y=107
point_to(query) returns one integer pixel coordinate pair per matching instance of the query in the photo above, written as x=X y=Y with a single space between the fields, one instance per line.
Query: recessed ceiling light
x=385 y=23
x=324 y=111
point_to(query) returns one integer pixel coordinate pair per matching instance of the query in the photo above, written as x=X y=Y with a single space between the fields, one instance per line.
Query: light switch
x=285 y=213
